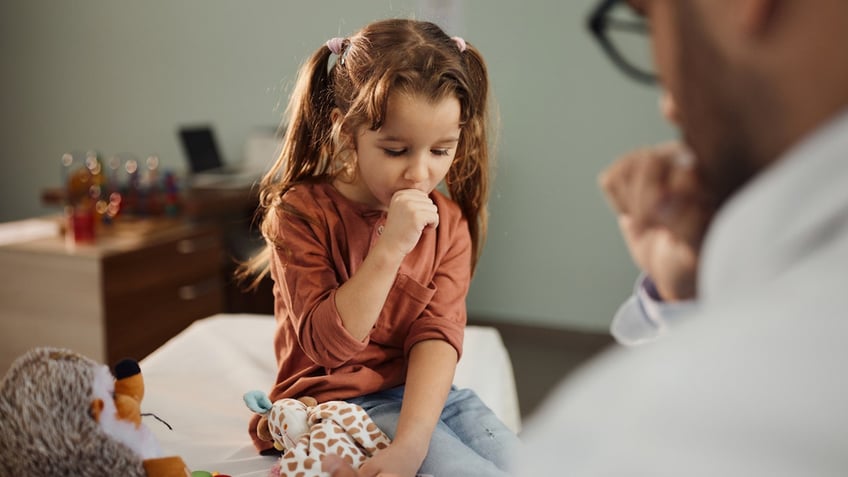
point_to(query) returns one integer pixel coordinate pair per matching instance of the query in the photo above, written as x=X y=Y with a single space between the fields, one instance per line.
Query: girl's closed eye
x=400 y=152
x=394 y=152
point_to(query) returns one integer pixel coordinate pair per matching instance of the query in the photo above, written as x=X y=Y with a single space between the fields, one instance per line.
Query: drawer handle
x=194 y=291
x=189 y=246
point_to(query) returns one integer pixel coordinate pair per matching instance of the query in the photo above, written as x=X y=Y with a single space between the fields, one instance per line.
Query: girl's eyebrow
x=400 y=139
x=391 y=139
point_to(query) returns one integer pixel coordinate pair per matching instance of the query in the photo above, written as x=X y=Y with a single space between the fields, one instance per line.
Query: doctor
x=755 y=224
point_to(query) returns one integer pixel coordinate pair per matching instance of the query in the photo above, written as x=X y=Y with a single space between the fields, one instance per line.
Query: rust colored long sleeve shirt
x=316 y=356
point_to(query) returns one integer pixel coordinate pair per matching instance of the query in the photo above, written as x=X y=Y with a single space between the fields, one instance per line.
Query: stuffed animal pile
x=62 y=413
x=305 y=431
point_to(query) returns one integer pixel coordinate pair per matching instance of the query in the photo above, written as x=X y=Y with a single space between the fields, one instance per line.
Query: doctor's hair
x=332 y=100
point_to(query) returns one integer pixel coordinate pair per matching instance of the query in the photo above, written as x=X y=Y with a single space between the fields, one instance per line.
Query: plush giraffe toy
x=305 y=431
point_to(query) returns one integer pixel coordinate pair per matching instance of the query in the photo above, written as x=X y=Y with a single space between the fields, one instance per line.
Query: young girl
x=371 y=264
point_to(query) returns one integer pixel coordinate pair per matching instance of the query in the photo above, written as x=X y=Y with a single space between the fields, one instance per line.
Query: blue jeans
x=469 y=440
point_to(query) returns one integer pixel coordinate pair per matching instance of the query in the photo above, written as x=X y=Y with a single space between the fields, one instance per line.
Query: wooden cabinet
x=138 y=285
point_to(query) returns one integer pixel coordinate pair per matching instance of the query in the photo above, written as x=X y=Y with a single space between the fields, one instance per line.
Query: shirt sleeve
x=445 y=316
x=645 y=316
x=309 y=288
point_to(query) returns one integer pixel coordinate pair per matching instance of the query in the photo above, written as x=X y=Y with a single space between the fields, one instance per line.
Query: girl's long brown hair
x=407 y=56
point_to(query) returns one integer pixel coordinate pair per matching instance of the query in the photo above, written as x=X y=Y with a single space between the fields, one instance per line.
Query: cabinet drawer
x=137 y=324
x=152 y=293
x=174 y=263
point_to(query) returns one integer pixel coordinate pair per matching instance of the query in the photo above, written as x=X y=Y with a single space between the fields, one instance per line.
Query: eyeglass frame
x=599 y=22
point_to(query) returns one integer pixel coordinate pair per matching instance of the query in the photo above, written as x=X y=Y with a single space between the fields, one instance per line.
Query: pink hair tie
x=335 y=45
x=460 y=43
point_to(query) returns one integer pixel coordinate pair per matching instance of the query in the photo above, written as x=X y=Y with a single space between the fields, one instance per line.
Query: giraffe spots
x=333 y=427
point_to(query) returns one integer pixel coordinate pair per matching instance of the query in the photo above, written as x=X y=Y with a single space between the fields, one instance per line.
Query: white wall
x=120 y=76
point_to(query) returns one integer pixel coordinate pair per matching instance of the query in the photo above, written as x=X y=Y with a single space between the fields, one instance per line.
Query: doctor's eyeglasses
x=625 y=37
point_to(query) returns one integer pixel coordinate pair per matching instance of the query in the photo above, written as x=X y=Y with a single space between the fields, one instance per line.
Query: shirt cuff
x=645 y=316
x=331 y=345
x=433 y=329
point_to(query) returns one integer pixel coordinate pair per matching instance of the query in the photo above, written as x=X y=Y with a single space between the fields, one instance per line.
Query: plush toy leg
x=166 y=467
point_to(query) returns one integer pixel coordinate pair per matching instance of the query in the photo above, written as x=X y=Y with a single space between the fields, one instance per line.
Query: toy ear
x=96 y=408
x=257 y=401
x=308 y=400
x=262 y=431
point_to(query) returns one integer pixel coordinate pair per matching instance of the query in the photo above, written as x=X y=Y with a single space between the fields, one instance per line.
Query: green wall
x=119 y=76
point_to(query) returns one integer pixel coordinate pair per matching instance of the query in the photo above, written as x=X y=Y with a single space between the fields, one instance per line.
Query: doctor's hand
x=410 y=212
x=663 y=214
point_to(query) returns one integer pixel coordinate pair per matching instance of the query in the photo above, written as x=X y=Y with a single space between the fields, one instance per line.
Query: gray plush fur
x=46 y=428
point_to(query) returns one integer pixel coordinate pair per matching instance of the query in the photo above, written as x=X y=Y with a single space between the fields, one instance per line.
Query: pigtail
x=468 y=182
x=305 y=156
x=308 y=128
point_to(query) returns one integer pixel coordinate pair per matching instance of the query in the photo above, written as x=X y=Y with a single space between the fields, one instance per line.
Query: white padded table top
x=196 y=380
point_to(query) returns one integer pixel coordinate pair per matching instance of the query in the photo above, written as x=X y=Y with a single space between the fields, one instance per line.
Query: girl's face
x=414 y=149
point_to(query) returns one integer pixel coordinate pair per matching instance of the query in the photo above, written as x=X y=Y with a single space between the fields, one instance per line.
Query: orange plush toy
x=64 y=414
x=129 y=391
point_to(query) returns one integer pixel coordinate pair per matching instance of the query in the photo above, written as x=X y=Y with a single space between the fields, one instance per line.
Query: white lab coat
x=753 y=383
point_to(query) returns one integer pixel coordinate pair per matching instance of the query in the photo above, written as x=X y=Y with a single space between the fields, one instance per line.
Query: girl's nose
x=416 y=171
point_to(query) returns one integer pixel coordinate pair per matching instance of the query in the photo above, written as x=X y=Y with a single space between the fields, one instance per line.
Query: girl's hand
x=410 y=211
x=337 y=467
x=394 y=460
x=663 y=215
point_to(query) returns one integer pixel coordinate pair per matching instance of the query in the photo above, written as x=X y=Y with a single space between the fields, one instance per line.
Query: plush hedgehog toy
x=64 y=414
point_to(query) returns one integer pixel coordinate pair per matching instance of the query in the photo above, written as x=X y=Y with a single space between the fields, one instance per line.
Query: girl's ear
x=345 y=134
x=336 y=115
